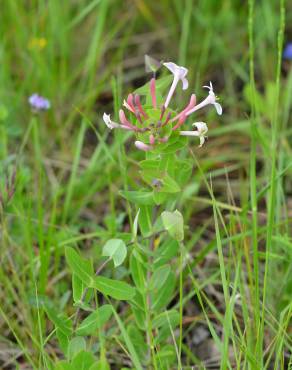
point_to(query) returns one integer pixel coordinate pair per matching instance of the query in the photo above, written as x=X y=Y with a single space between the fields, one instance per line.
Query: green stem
x=180 y=303
x=3 y=136
x=97 y=272
x=151 y=351
x=40 y=210
x=253 y=186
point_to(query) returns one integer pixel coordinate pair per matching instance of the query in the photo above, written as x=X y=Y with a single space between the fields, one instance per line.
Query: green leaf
x=63 y=323
x=77 y=287
x=175 y=144
x=164 y=162
x=94 y=321
x=164 y=323
x=159 y=277
x=83 y=361
x=101 y=364
x=165 y=252
x=183 y=170
x=134 y=357
x=115 y=249
x=163 y=296
x=166 y=356
x=114 y=288
x=81 y=267
x=174 y=224
x=63 y=365
x=63 y=340
x=160 y=198
x=75 y=346
x=138 y=197
x=137 y=340
x=145 y=223
x=160 y=181
x=138 y=308
x=138 y=271
x=166 y=318
x=149 y=164
x=135 y=226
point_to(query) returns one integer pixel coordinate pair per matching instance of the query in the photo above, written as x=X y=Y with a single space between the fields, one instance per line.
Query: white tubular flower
x=211 y=99
x=201 y=131
x=179 y=74
x=107 y=120
x=111 y=124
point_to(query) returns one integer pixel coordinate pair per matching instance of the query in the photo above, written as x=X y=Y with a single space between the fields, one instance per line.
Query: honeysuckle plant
x=156 y=126
x=161 y=132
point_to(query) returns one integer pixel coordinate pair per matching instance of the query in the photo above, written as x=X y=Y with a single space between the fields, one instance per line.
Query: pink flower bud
x=151 y=139
x=142 y=146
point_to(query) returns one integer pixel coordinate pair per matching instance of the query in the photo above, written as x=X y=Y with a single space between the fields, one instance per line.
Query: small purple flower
x=287 y=54
x=39 y=103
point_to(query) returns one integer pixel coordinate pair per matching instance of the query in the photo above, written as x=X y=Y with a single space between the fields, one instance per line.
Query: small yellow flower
x=37 y=43
x=156 y=242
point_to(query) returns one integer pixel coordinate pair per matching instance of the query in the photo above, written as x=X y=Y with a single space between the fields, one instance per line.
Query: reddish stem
x=167 y=119
x=153 y=92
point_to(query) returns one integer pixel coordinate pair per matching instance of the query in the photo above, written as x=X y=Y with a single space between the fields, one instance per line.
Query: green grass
x=233 y=275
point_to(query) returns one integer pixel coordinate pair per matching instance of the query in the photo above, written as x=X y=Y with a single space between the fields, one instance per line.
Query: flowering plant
x=158 y=131
x=157 y=235
x=38 y=103
x=157 y=126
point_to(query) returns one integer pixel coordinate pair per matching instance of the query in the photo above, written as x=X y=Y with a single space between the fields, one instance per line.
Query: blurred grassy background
x=85 y=56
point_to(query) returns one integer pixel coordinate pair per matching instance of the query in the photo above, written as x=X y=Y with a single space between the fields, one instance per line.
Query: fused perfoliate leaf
x=174 y=224
x=151 y=64
x=115 y=249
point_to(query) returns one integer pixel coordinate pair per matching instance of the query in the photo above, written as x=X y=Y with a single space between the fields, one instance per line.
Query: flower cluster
x=154 y=124
x=39 y=103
